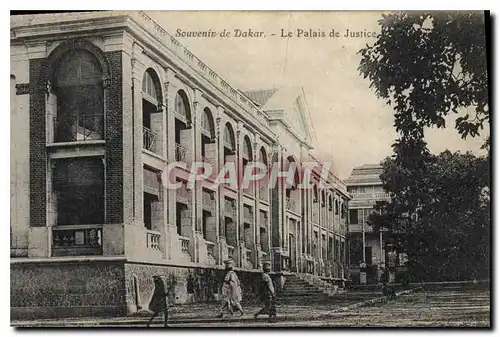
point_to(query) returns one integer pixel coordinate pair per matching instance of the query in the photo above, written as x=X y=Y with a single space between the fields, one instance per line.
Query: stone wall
x=66 y=289
x=184 y=284
x=111 y=288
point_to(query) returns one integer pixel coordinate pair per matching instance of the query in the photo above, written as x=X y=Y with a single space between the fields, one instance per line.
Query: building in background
x=100 y=104
x=367 y=249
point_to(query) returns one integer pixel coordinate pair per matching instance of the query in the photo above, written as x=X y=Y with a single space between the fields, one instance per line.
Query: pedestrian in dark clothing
x=268 y=294
x=158 y=303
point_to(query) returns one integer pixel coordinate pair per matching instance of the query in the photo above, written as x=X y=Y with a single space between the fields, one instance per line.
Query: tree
x=428 y=65
x=439 y=215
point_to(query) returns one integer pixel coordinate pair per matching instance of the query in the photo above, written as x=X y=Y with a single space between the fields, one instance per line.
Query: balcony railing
x=210 y=249
x=263 y=255
x=208 y=201
x=153 y=240
x=230 y=251
x=181 y=153
x=248 y=217
x=149 y=140
x=77 y=240
x=79 y=128
x=248 y=190
x=184 y=244
x=264 y=193
x=229 y=209
x=315 y=216
x=182 y=193
x=376 y=195
x=291 y=205
x=206 y=160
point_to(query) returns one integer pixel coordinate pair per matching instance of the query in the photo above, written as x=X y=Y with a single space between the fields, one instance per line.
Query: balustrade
x=77 y=240
x=149 y=140
x=181 y=153
x=79 y=128
x=153 y=240
x=184 y=244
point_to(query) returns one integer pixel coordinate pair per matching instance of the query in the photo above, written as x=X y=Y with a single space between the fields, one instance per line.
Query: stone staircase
x=299 y=287
x=306 y=289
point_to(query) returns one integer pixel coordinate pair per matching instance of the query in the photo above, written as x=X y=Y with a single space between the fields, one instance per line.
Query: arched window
x=330 y=203
x=229 y=141
x=208 y=136
x=182 y=125
x=263 y=156
x=182 y=106
x=247 y=149
x=336 y=207
x=78 y=83
x=207 y=123
x=151 y=111
x=151 y=90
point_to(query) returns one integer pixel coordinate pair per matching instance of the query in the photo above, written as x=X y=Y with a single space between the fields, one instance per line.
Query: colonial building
x=101 y=103
x=366 y=248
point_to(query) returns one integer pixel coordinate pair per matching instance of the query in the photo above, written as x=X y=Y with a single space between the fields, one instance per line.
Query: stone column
x=221 y=247
x=256 y=214
x=276 y=211
x=239 y=202
x=138 y=70
x=133 y=230
x=200 y=246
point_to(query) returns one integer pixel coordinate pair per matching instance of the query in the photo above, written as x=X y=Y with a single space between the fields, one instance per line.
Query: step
x=299 y=287
x=308 y=291
x=303 y=294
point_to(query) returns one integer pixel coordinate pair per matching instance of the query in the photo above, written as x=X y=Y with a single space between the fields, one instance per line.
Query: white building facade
x=101 y=103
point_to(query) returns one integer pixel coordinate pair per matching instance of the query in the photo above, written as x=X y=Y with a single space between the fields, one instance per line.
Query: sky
x=351 y=125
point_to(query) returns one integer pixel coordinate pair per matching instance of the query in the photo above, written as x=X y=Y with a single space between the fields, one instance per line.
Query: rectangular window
x=342 y=252
x=353 y=216
x=368 y=255
x=356 y=252
x=79 y=184
x=149 y=200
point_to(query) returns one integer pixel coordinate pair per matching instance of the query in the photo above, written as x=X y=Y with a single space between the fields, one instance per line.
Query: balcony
x=183 y=194
x=210 y=249
x=291 y=205
x=248 y=217
x=355 y=228
x=208 y=201
x=79 y=128
x=150 y=140
x=263 y=255
x=210 y=252
x=376 y=195
x=77 y=240
x=184 y=244
x=230 y=251
x=206 y=160
x=264 y=194
x=249 y=190
x=153 y=240
x=181 y=153
x=315 y=215
x=229 y=209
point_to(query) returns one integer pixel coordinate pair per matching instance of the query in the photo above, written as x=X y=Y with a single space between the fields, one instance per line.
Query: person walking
x=268 y=293
x=231 y=291
x=158 y=303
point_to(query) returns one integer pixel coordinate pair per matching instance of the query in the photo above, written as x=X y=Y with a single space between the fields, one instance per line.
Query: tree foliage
x=439 y=215
x=429 y=65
